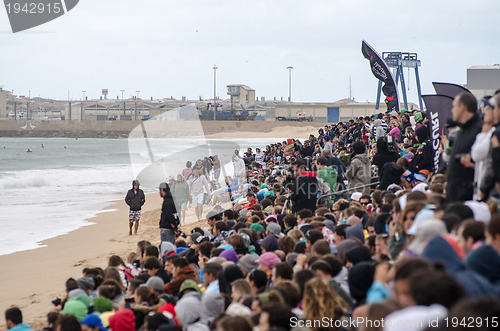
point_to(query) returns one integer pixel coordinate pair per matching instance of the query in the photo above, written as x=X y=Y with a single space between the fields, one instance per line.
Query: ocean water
x=54 y=189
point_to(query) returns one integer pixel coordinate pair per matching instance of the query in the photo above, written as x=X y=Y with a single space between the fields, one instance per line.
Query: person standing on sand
x=180 y=192
x=216 y=164
x=169 y=220
x=135 y=198
x=196 y=184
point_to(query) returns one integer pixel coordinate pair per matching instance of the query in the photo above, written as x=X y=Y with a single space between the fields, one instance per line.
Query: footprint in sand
x=79 y=263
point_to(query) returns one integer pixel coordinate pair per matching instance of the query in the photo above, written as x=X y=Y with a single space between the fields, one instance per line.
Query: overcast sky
x=168 y=48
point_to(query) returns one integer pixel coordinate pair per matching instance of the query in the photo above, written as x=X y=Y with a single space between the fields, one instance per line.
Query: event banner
x=449 y=89
x=438 y=112
x=382 y=72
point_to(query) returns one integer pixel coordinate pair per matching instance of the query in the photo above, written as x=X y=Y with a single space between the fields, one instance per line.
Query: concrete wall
x=122 y=129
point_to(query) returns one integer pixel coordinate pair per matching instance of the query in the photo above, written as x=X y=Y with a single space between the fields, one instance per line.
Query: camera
x=391 y=144
x=459 y=156
x=56 y=302
x=128 y=301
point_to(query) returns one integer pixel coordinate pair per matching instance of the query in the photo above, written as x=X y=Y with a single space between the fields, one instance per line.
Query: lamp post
x=215 y=90
x=289 y=91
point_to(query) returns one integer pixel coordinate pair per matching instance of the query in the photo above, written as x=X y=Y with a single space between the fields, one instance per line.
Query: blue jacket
x=438 y=249
x=485 y=260
x=21 y=327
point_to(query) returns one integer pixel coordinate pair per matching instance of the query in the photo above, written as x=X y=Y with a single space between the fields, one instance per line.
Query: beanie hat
x=156 y=283
x=248 y=263
x=256 y=227
x=229 y=255
x=269 y=259
x=75 y=308
x=85 y=283
x=102 y=304
x=92 y=320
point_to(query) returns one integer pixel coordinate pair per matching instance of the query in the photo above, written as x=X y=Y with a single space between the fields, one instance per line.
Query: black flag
x=438 y=112
x=381 y=71
x=449 y=89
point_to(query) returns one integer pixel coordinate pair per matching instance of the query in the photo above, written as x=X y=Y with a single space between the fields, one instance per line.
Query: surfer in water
x=28 y=151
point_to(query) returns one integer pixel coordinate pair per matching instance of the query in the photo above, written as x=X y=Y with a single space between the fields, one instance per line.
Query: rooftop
x=495 y=66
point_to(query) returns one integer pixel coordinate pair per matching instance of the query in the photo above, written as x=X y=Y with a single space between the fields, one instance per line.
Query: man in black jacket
x=460 y=177
x=305 y=189
x=135 y=198
x=169 y=220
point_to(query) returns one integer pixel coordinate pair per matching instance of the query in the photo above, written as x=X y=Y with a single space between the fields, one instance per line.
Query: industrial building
x=483 y=80
x=331 y=112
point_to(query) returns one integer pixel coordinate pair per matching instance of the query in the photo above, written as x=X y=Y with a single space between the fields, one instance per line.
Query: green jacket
x=329 y=175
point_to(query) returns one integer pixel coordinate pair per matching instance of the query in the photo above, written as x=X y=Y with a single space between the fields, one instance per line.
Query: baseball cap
x=356 y=196
x=189 y=284
x=163 y=185
x=275 y=229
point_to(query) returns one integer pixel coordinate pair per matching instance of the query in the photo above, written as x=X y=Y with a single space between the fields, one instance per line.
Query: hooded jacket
x=359 y=173
x=180 y=192
x=135 y=198
x=188 y=311
x=391 y=174
x=424 y=158
x=329 y=175
x=270 y=243
x=168 y=218
x=383 y=155
x=459 y=184
x=360 y=280
x=305 y=192
x=122 y=320
x=485 y=260
x=438 y=249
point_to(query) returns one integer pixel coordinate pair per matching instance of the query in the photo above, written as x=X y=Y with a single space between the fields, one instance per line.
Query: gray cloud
x=165 y=48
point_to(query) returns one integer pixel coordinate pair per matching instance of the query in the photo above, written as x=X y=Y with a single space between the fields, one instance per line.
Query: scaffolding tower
x=400 y=60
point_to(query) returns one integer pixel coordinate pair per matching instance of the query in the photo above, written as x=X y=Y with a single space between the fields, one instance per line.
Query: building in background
x=241 y=95
x=3 y=105
x=329 y=112
x=483 y=80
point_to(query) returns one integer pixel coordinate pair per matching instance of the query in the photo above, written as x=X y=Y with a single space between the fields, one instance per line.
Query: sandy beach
x=301 y=132
x=34 y=278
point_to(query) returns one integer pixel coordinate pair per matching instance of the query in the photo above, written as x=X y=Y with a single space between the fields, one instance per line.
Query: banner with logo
x=438 y=112
x=382 y=72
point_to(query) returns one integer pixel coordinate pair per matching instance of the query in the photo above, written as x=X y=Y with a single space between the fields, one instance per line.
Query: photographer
x=169 y=219
x=423 y=161
x=386 y=152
